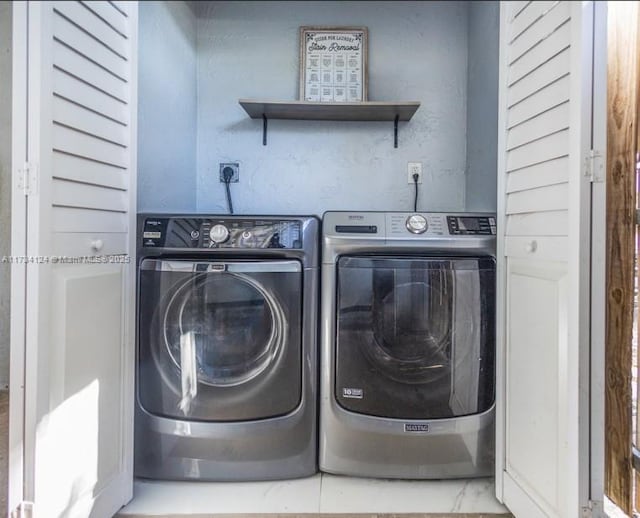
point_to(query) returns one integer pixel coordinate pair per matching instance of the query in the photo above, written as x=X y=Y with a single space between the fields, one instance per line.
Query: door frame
x=17 y=348
x=598 y=262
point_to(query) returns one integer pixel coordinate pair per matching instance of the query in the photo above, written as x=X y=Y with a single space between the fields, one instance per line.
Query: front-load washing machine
x=407 y=344
x=226 y=370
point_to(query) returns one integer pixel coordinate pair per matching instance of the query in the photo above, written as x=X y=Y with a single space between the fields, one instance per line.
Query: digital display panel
x=469 y=223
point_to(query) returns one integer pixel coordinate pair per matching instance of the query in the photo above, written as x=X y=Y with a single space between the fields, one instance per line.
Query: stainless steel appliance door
x=219 y=341
x=415 y=336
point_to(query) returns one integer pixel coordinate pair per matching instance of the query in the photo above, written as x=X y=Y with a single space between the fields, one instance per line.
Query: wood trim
x=622 y=102
x=636 y=478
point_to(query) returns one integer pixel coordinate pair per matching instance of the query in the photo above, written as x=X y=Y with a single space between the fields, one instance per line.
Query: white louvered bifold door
x=543 y=258
x=79 y=223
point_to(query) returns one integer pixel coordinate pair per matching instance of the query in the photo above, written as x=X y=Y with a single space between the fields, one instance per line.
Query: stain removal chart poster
x=333 y=64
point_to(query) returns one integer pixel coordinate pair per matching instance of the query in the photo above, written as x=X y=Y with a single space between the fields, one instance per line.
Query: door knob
x=531 y=247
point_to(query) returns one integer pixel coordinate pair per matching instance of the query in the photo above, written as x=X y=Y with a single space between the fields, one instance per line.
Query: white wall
x=482 y=112
x=167 y=108
x=5 y=185
x=417 y=51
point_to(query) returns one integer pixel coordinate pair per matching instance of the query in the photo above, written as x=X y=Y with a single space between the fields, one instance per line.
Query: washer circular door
x=222 y=340
x=414 y=336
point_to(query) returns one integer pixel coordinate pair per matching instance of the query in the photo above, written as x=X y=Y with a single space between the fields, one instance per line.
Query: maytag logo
x=413 y=427
x=356 y=216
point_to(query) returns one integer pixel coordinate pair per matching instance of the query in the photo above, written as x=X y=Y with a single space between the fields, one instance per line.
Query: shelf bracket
x=264 y=129
x=395 y=131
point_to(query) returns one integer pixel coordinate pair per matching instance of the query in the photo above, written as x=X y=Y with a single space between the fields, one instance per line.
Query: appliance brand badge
x=356 y=217
x=353 y=393
x=152 y=235
x=416 y=427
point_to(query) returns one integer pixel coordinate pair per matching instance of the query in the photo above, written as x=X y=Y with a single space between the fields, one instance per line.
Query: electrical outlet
x=414 y=168
x=235 y=168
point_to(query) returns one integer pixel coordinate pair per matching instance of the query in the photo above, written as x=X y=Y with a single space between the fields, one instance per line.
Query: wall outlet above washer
x=235 y=168
x=414 y=168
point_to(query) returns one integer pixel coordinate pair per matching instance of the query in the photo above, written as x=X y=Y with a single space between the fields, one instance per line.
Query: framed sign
x=333 y=64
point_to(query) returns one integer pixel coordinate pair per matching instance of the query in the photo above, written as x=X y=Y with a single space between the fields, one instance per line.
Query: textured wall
x=482 y=114
x=5 y=185
x=167 y=108
x=417 y=51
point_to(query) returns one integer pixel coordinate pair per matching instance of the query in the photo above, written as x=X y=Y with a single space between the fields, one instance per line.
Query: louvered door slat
x=552 y=95
x=539 y=31
x=543 y=124
x=107 y=13
x=80 y=169
x=550 y=172
x=538 y=151
x=528 y=16
x=79 y=66
x=89 y=122
x=542 y=199
x=89 y=47
x=549 y=47
x=91 y=97
x=81 y=16
x=544 y=75
x=517 y=7
x=81 y=144
x=121 y=5
x=66 y=193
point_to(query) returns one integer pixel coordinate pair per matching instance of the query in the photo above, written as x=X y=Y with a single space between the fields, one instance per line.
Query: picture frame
x=333 y=64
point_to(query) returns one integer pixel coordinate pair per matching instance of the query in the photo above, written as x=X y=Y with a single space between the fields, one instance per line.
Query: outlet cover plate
x=414 y=167
x=236 y=171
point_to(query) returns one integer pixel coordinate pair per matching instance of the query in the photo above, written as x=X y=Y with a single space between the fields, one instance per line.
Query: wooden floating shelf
x=303 y=110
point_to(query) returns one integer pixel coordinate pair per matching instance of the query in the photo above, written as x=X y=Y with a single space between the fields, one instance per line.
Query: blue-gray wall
x=482 y=113
x=167 y=108
x=417 y=51
x=5 y=185
x=194 y=70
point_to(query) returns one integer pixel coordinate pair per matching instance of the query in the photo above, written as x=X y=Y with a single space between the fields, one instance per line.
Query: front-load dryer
x=226 y=353
x=407 y=344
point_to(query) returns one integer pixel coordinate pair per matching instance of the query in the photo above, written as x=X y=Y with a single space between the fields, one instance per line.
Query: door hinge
x=586 y=511
x=28 y=178
x=24 y=510
x=594 y=166
x=593 y=509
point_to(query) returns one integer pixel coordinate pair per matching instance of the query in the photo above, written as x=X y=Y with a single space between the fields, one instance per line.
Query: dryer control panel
x=222 y=232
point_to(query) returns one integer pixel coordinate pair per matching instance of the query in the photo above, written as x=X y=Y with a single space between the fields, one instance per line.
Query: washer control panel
x=471 y=225
x=197 y=233
x=407 y=227
x=417 y=224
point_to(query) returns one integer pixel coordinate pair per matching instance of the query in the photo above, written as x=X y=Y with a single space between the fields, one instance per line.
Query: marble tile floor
x=319 y=495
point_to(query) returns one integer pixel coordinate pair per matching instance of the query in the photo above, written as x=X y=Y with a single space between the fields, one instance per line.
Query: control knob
x=417 y=224
x=219 y=233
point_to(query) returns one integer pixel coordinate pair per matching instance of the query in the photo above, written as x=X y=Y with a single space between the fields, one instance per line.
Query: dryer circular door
x=220 y=340
x=414 y=336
